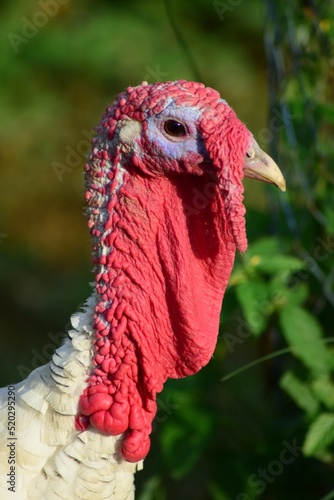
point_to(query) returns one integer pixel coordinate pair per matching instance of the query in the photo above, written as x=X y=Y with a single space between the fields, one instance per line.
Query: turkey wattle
x=165 y=209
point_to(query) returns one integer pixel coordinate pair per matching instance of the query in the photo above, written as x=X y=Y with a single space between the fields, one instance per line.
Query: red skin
x=166 y=262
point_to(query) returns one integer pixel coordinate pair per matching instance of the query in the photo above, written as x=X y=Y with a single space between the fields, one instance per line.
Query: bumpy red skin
x=163 y=250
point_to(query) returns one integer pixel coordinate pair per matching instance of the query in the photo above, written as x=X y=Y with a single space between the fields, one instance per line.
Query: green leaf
x=323 y=388
x=238 y=276
x=274 y=263
x=216 y=492
x=303 y=332
x=265 y=255
x=320 y=435
x=329 y=214
x=264 y=246
x=253 y=298
x=284 y=291
x=183 y=440
x=300 y=393
x=153 y=488
x=298 y=294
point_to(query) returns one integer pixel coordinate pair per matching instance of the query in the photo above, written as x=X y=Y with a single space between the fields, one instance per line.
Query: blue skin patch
x=177 y=148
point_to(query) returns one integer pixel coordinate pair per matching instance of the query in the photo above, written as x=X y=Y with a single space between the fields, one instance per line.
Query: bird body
x=49 y=453
x=164 y=191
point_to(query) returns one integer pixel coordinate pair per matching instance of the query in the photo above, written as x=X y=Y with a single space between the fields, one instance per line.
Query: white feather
x=53 y=459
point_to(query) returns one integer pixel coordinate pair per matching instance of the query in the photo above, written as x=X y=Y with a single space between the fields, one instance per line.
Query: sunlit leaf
x=275 y=263
x=284 y=290
x=299 y=392
x=303 y=333
x=323 y=388
x=320 y=434
x=253 y=298
x=264 y=246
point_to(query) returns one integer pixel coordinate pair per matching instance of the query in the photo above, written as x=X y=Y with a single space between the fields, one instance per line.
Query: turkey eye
x=174 y=128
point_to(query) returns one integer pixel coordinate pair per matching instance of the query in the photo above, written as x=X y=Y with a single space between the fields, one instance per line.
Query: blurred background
x=62 y=62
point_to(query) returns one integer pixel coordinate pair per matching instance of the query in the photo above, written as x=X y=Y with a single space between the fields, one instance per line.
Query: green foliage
x=185 y=439
x=320 y=435
x=253 y=295
x=286 y=285
x=262 y=283
x=303 y=333
x=269 y=290
x=323 y=388
x=300 y=392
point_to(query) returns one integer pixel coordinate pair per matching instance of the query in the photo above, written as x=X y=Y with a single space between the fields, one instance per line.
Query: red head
x=164 y=196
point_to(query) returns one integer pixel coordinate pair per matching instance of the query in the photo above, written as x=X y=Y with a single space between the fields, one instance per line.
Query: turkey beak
x=259 y=165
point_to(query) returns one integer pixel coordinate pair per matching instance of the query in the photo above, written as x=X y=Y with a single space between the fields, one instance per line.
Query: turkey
x=164 y=198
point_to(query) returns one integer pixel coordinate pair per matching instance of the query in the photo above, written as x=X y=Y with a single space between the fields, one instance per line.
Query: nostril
x=250 y=153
